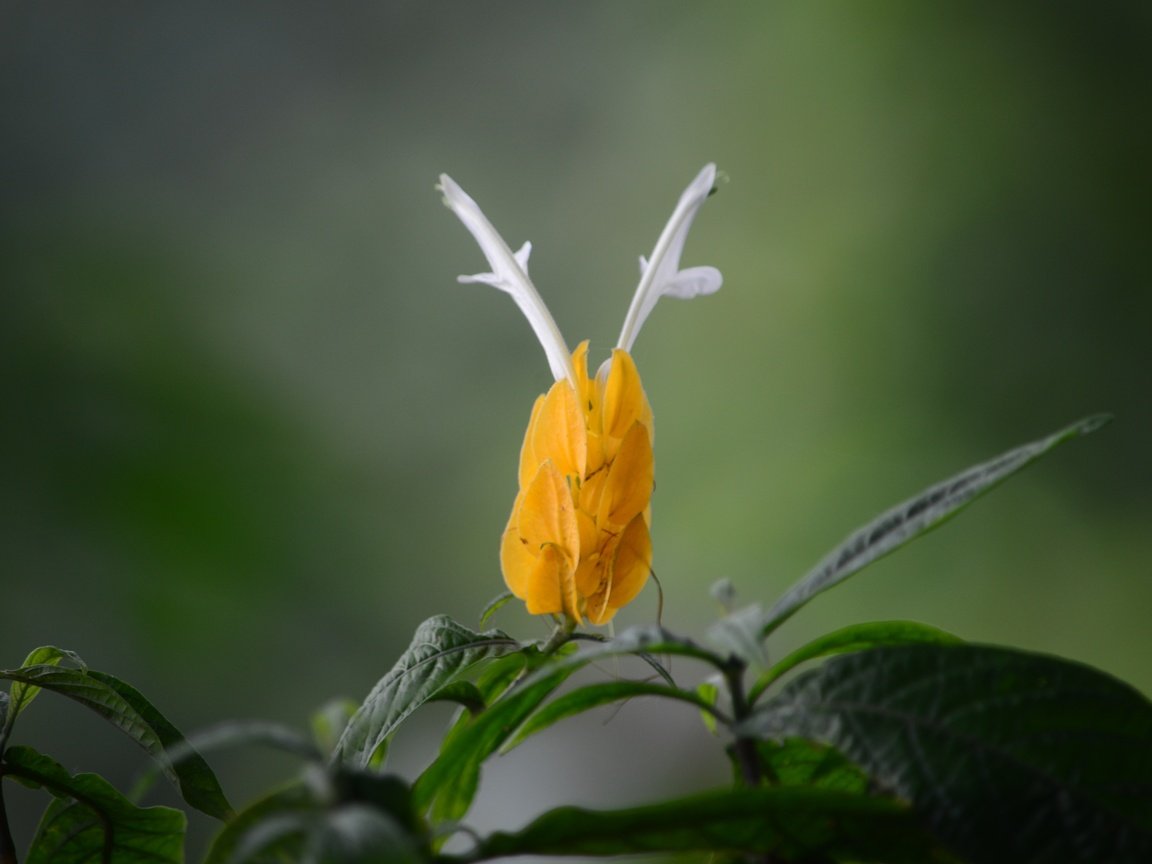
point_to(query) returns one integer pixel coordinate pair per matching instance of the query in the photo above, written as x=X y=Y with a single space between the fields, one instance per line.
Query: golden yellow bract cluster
x=577 y=542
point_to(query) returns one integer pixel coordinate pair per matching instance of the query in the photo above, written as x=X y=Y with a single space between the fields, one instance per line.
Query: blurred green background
x=254 y=432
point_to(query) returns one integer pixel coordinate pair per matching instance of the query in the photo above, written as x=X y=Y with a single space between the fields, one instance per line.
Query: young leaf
x=21 y=693
x=909 y=520
x=124 y=707
x=856 y=637
x=494 y=606
x=90 y=821
x=441 y=652
x=1012 y=757
x=739 y=633
x=789 y=823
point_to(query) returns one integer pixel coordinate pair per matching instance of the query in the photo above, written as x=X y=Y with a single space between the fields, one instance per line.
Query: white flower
x=660 y=274
x=510 y=273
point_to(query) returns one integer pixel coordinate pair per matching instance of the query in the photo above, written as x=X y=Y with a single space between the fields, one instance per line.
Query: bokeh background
x=254 y=432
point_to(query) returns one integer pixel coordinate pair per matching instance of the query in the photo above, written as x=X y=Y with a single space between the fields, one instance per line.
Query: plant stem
x=559 y=636
x=7 y=847
x=744 y=748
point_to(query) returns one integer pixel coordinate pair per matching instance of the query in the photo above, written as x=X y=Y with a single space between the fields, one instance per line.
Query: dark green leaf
x=128 y=710
x=1012 y=757
x=909 y=520
x=267 y=829
x=92 y=822
x=441 y=652
x=463 y=693
x=198 y=784
x=315 y=824
x=790 y=823
x=856 y=637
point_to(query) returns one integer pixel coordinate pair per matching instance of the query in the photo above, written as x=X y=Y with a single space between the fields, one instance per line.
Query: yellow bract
x=577 y=542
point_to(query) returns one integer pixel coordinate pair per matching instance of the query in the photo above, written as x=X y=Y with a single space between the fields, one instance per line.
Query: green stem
x=751 y=770
x=560 y=635
x=7 y=846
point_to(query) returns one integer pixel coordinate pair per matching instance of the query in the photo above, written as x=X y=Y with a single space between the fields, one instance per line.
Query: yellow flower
x=577 y=543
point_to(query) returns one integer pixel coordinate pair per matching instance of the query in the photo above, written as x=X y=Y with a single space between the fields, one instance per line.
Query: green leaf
x=449 y=784
x=792 y=824
x=709 y=692
x=22 y=694
x=441 y=652
x=313 y=822
x=603 y=693
x=1011 y=757
x=127 y=709
x=329 y=723
x=494 y=606
x=799 y=762
x=856 y=637
x=909 y=520
x=92 y=822
x=464 y=693
x=271 y=829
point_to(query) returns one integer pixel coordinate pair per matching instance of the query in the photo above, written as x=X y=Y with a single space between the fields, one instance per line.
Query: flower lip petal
x=661 y=273
x=693 y=282
x=509 y=274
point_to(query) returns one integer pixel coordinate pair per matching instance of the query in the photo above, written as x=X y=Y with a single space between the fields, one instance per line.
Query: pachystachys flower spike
x=577 y=543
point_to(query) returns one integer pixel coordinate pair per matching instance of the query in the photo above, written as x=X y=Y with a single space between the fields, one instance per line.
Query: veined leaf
x=789 y=822
x=856 y=637
x=449 y=784
x=800 y=762
x=1012 y=757
x=127 y=709
x=915 y=516
x=441 y=651
x=90 y=821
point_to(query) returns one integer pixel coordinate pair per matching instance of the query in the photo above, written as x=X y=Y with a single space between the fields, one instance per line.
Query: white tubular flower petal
x=661 y=275
x=509 y=274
